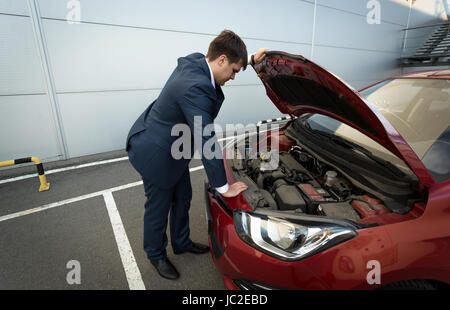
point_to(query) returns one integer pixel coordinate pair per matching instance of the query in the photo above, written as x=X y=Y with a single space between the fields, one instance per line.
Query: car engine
x=295 y=181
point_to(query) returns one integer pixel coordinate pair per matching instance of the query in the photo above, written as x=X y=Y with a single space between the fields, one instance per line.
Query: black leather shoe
x=165 y=268
x=197 y=248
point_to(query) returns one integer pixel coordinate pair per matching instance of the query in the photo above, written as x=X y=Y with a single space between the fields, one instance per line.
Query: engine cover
x=288 y=197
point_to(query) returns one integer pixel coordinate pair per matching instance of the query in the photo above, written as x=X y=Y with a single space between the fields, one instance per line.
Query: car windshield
x=419 y=109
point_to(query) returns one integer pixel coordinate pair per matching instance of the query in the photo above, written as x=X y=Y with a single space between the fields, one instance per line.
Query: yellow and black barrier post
x=40 y=169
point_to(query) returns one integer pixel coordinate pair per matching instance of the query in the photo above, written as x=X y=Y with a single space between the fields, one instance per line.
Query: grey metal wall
x=26 y=123
x=69 y=90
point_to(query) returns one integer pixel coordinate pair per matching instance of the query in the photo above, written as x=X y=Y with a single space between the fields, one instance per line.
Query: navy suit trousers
x=177 y=201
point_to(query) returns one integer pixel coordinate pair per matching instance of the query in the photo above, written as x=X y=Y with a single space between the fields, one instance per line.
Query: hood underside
x=298 y=86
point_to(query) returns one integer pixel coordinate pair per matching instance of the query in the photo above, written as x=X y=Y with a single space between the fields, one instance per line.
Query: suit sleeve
x=198 y=109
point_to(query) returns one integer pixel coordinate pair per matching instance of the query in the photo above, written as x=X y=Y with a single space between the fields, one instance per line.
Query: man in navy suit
x=192 y=93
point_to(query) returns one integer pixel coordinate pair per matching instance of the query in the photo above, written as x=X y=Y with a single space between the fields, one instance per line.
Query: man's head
x=226 y=55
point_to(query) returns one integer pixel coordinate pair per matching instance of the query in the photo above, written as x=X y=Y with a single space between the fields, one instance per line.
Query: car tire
x=409 y=285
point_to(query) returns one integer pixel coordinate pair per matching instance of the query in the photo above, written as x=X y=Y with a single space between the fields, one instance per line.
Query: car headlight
x=289 y=238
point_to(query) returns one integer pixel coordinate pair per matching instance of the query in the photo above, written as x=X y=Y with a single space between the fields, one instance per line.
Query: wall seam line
x=49 y=79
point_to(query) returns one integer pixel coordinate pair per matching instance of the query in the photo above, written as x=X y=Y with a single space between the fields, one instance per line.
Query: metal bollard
x=40 y=169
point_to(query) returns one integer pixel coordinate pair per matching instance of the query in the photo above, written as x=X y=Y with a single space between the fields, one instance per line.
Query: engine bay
x=296 y=181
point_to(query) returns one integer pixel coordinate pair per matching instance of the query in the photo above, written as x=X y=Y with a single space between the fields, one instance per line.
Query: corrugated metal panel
x=265 y=19
x=26 y=124
x=355 y=32
x=18 y=7
x=357 y=65
x=111 y=66
x=20 y=67
x=26 y=128
x=90 y=57
x=246 y=105
x=100 y=121
x=392 y=11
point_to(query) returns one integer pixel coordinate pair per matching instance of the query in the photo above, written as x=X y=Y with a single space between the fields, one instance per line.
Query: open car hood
x=297 y=86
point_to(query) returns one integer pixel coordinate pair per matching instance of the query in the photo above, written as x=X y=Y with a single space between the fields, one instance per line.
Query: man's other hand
x=235 y=189
x=260 y=54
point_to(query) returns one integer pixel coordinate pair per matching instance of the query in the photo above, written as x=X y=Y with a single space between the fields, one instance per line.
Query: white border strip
x=132 y=272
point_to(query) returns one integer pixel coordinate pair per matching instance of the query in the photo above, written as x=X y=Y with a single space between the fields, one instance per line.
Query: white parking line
x=96 y=163
x=132 y=272
x=67 y=201
x=75 y=199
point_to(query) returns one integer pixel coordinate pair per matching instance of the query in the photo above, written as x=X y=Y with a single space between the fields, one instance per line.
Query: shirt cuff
x=223 y=189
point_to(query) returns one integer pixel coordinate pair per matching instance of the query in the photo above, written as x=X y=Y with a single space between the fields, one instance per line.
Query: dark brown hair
x=229 y=44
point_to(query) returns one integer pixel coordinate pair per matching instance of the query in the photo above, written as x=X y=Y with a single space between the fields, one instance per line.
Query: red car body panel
x=416 y=248
x=415 y=245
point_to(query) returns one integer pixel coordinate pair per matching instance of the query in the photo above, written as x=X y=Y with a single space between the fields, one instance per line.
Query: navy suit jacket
x=187 y=93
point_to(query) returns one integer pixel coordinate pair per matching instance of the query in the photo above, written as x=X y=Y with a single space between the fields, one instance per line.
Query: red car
x=360 y=195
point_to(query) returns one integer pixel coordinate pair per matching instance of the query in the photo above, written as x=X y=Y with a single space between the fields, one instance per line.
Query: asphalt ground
x=93 y=216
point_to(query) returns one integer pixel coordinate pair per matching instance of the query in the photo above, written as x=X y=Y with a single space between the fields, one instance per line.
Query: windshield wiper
x=353 y=146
